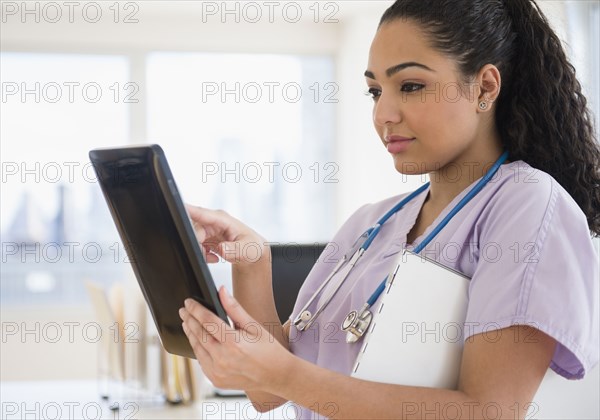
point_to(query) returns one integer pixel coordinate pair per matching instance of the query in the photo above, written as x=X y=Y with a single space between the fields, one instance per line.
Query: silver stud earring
x=483 y=105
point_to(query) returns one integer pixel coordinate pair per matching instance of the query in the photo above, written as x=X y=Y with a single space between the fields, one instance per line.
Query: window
x=595 y=62
x=583 y=46
x=56 y=230
x=252 y=134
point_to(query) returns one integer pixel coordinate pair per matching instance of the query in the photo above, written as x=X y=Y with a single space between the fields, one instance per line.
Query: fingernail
x=187 y=302
x=181 y=312
x=227 y=295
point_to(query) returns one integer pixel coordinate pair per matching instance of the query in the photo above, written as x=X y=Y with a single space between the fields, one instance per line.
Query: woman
x=454 y=84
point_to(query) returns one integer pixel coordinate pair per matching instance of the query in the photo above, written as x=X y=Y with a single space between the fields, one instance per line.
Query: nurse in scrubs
x=454 y=84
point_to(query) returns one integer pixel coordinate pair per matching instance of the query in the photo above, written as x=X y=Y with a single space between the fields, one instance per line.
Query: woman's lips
x=397 y=144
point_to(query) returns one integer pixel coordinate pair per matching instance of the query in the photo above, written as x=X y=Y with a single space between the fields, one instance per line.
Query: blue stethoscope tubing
x=472 y=193
x=304 y=319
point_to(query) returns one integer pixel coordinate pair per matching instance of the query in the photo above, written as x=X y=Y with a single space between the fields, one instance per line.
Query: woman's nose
x=386 y=111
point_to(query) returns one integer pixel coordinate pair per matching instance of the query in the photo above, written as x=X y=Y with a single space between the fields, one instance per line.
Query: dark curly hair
x=541 y=114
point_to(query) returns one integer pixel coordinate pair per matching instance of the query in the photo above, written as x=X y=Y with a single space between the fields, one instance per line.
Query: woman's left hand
x=247 y=357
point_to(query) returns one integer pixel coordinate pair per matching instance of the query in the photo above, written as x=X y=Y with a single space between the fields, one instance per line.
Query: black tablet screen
x=157 y=236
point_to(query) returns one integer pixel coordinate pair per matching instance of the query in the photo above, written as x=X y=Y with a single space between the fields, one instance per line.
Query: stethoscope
x=357 y=321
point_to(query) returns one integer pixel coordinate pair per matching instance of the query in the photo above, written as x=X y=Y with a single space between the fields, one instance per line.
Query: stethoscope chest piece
x=303 y=320
x=356 y=324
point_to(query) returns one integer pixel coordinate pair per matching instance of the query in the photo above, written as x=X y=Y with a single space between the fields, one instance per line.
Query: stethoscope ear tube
x=304 y=316
x=345 y=269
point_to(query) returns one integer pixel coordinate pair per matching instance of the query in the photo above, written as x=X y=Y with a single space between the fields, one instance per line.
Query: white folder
x=416 y=339
x=416 y=336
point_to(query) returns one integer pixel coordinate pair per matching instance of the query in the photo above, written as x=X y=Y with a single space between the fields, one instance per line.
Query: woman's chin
x=406 y=166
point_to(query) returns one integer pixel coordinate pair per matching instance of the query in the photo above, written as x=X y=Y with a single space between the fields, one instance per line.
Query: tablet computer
x=158 y=237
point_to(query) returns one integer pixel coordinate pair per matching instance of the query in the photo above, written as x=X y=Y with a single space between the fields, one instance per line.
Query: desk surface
x=81 y=400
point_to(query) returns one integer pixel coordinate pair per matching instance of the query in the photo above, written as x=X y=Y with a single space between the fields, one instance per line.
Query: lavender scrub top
x=522 y=240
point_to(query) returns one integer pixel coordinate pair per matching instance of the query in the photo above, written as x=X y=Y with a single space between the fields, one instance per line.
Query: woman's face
x=421 y=113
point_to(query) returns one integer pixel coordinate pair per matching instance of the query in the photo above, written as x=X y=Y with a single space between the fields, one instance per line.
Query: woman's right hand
x=220 y=234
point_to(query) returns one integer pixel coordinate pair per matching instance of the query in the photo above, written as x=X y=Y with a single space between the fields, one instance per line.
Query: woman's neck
x=450 y=180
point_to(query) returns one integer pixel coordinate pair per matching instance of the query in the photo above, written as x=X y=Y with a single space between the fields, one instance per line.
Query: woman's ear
x=489 y=81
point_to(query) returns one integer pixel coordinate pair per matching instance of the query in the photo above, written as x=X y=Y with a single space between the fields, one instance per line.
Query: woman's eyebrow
x=397 y=68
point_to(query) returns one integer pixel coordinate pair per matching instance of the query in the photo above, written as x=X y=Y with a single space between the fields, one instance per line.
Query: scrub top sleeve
x=537 y=266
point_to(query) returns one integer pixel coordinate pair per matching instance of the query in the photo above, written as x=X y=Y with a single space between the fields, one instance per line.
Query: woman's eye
x=411 y=87
x=374 y=93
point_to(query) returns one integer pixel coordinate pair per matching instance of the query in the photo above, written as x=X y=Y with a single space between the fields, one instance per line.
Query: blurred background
x=259 y=106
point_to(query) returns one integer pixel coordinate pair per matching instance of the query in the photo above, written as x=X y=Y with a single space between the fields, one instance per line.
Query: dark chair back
x=291 y=263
